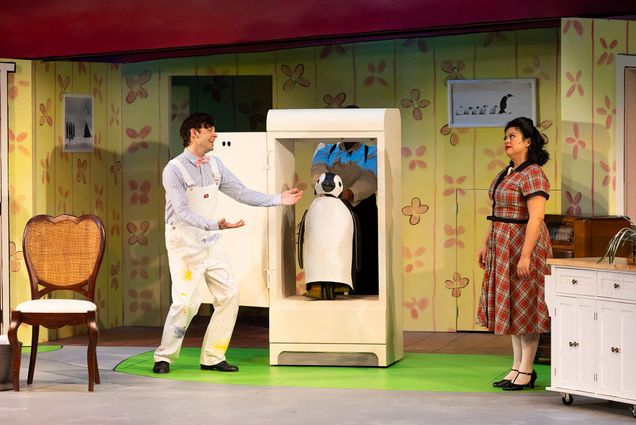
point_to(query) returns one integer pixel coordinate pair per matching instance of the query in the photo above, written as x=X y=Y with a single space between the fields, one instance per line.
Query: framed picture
x=78 y=123
x=490 y=103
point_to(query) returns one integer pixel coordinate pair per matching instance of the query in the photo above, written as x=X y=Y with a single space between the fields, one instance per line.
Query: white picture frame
x=490 y=102
x=78 y=123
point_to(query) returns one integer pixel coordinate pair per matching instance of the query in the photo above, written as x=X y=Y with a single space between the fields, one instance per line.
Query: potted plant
x=623 y=236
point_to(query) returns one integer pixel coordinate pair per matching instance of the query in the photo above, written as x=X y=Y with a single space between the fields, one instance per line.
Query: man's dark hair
x=196 y=120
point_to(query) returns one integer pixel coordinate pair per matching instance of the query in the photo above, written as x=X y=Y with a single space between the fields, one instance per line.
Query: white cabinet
x=593 y=309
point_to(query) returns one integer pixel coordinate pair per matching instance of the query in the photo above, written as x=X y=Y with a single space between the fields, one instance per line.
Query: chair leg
x=96 y=368
x=35 y=336
x=15 y=348
x=92 y=350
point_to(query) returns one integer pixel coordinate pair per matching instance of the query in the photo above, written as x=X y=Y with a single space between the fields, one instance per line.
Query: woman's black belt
x=507 y=220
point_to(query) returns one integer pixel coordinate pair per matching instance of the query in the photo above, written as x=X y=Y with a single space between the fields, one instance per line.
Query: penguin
x=460 y=111
x=468 y=111
x=503 y=104
x=475 y=110
x=483 y=110
x=493 y=110
x=328 y=241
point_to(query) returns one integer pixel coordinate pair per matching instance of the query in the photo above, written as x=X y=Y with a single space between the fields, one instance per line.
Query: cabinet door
x=245 y=155
x=617 y=349
x=574 y=344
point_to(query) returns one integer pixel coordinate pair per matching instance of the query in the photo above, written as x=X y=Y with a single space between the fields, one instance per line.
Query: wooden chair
x=61 y=253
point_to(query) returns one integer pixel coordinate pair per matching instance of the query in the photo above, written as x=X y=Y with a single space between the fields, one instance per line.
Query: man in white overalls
x=192 y=181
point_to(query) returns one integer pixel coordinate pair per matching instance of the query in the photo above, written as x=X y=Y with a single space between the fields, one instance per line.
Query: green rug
x=415 y=372
x=41 y=348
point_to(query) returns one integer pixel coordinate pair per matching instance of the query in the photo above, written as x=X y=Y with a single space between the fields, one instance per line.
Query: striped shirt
x=177 y=202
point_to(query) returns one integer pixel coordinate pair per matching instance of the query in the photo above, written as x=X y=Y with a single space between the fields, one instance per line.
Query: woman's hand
x=523 y=266
x=481 y=257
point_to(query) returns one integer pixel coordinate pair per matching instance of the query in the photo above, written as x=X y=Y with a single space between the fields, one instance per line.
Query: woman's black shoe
x=511 y=386
x=503 y=382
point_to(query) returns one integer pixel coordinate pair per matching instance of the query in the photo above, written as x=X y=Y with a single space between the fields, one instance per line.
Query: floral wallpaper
x=445 y=171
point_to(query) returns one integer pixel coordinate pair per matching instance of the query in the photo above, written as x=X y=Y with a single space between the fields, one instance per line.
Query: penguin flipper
x=301 y=239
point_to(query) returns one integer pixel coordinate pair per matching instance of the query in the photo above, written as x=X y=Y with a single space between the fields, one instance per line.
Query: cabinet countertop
x=620 y=263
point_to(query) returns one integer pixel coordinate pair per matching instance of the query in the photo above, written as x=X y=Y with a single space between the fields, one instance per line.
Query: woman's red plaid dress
x=511 y=304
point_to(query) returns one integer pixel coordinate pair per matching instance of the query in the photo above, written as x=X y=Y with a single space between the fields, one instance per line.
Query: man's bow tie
x=200 y=161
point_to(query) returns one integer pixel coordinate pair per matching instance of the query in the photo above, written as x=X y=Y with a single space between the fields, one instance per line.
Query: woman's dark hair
x=536 y=152
x=197 y=121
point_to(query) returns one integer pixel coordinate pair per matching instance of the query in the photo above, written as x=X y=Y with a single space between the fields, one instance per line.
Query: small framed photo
x=490 y=103
x=78 y=123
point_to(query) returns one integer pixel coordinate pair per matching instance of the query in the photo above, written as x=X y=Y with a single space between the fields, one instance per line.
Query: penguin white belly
x=328 y=242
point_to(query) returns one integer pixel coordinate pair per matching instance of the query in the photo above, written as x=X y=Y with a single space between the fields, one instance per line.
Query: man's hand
x=224 y=224
x=291 y=196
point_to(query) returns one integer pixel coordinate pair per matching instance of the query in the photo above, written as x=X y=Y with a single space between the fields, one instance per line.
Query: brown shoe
x=161 y=367
x=221 y=367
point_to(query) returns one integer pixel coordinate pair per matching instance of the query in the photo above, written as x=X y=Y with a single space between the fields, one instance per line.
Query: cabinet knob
x=617 y=285
x=574 y=282
x=573 y=344
x=615 y=350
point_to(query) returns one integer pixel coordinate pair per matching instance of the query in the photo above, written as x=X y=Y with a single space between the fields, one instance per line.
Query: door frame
x=5 y=68
x=622 y=62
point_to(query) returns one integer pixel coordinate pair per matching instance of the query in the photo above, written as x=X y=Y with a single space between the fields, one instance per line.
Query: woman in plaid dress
x=514 y=252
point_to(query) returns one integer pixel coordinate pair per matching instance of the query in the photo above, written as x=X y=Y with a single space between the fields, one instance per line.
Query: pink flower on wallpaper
x=13 y=89
x=45 y=111
x=416 y=306
x=63 y=83
x=456 y=284
x=44 y=163
x=216 y=88
x=421 y=44
x=454 y=133
x=64 y=156
x=15 y=200
x=255 y=111
x=453 y=69
x=491 y=37
x=334 y=101
x=97 y=86
x=99 y=193
x=543 y=126
x=328 y=50
x=300 y=277
x=373 y=70
x=114 y=115
x=574 y=24
x=136 y=86
x=15 y=257
x=295 y=76
x=610 y=172
x=608 y=110
x=535 y=70
x=114 y=275
x=416 y=162
x=63 y=195
x=115 y=167
x=99 y=300
x=81 y=68
x=575 y=141
x=414 y=211
x=133 y=134
x=180 y=111
x=138 y=234
x=454 y=236
x=607 y=57
x=80 y=175
x=18 y=142
x=455 y=185
x=138 y=267
x=413 y=260
x=495 y=163
x=574 y=208
x=143 y=189
x=576 y=84
x=115 y=229
x=140 y=301
x=415 y=103
x=114 y=66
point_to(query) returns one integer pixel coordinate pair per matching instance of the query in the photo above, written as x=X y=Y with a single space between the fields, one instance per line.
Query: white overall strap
x=186 y=176
x=215 y=169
